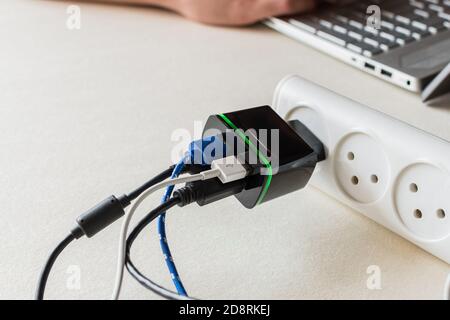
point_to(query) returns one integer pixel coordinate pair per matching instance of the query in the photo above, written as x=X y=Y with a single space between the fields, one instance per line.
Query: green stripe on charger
x=261 y=157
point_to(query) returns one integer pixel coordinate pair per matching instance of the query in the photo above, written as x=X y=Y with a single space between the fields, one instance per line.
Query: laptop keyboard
x=402 y=22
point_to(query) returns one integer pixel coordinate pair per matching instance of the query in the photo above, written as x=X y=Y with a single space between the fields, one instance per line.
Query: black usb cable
x=94 y=220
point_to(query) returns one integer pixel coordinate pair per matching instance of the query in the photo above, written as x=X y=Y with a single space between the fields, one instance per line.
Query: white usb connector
x=230 y=169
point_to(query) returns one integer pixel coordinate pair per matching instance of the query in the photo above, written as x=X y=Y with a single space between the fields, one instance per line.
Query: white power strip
x=389 y=171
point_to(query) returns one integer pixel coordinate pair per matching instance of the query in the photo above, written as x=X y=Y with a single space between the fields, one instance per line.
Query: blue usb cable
x=162 y=234
x=195 y=155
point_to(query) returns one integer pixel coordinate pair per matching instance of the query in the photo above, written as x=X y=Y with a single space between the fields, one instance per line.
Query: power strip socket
x=389 y=171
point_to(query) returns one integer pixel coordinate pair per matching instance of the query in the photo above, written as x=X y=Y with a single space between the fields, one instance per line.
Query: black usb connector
x=208 y=191
x=100 y=216
x=113 y=208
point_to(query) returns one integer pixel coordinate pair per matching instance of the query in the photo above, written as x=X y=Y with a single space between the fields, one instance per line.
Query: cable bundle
x=204 y=184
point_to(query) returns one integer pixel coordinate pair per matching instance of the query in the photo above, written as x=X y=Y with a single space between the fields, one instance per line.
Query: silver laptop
x=406 y=42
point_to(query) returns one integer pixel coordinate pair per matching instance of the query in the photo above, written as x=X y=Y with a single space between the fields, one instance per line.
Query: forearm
x=170 y=4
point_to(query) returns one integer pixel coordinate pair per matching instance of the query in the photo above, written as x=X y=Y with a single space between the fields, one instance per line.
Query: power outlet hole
x=440 y=213
x=418 y=214
x=355 y=180
x=350 y=156
x=413 y=187
x=374 y=178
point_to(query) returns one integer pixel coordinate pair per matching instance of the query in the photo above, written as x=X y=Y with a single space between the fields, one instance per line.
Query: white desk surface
x=89 y=113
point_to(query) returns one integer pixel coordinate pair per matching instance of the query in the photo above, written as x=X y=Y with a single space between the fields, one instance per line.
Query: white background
x=89 y=113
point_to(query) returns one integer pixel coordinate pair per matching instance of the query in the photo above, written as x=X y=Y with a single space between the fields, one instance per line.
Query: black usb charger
x=280 y=156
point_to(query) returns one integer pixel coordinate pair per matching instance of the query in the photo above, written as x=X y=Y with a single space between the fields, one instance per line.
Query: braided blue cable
x=163 y=238
x=195 y=154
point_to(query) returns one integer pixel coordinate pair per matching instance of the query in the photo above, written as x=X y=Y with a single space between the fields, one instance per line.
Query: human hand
x=235 y=12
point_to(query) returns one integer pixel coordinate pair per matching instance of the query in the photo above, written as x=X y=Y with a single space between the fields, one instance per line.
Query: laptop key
x=403 y=30
x=422 y=13
x=309 y=26
x=339 y=29
x=326 y=23
x=417 y=4
x=357 y=47
x=341 y=18
x=332 y=36
x=387 y=36
x=403 y=19
x=386 y=24
x=435 y=7
x=388 y=14
x=355 y=24
x=372 y=42
x=363 y=49
x=444 y=15
x=355 y=35
x=419 y=25
x=371 y=30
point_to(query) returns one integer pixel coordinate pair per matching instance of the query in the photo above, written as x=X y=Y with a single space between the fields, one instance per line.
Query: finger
x=284 y=7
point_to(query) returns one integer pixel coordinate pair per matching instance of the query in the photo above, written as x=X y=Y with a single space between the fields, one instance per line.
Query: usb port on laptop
x=369 y=66
x=386 y=73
